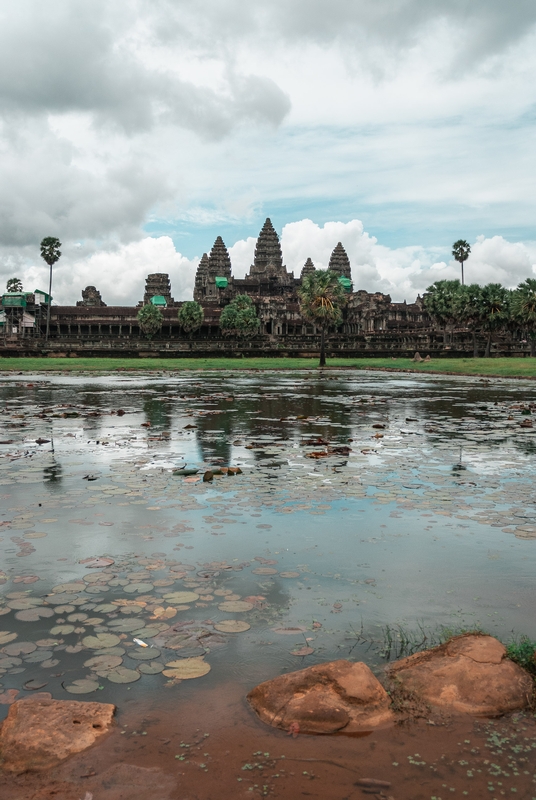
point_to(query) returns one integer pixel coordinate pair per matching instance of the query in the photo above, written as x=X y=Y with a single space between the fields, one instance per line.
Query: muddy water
x=372 y=513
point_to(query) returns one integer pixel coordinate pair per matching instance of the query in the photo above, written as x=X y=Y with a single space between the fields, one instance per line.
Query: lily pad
x=289 y=574
x=82 y=686
x=187 y=668
x=181 y=597
x=105 y=662
x=123 y=675
x=34 y=614
x=290 y=631
x=235 y=606
x=150 y=667
x=19 y=648
x=24 y=602
x=101 y=640
x=97 y=563
x=264 y=571
x=125 y=625
x=302 y=651
x=232 y=626
x=143 y=653
x=138 y=588
x=62 y=630
x=7 y=636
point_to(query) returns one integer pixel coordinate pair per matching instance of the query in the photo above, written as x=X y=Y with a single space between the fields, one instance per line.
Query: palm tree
x=460 y=251
x=50 y=252
x=322 y=298
x=190 y=316
x=441 y=302
x=524 y=309
x=150 y=319
x=467 y=305
x=494 y=310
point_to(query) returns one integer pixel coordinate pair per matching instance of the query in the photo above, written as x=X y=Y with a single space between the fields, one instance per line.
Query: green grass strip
x=492 y=367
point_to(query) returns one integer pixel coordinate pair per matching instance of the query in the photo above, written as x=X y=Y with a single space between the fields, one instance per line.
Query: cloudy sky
x=136 y=131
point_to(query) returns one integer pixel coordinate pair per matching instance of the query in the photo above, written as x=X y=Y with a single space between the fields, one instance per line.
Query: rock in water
x=470 y=674
x=337 y=696
x=39 y=733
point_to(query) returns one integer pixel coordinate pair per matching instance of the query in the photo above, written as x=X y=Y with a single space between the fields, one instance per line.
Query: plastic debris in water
x=141 y=644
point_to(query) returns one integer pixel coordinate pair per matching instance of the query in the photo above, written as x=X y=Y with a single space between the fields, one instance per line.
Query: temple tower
x=91 y=298
x=340 y=263
x=158 y=285
x=268 y=261
x=213 y=273
x=219 y=261
x=201 y=276
x=307 y=268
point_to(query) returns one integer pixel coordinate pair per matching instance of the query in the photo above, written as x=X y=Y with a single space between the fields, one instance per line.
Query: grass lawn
x=502 y=367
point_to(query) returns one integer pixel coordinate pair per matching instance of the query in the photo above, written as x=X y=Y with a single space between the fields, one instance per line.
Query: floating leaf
x=7 y=636
x=181 y=597
x=77 y=586
x=235 y=606
x=50 y=662
x=143 y=653
x=264 y=571
x=100 y=640
x=232 y=626
x=64 y=630
x=123 y=675
x=138 y=588
x=150 y=667
x=125 y=625
x=302 y=651
x=33 y=614
x=19 y=648
x=25 y=602
x=103 y=662
x=289 y=574
x=33 y=685
x=97 y=562
x=82 y=686
x=288 y=631
x=163 y=613
x=187 y=668
x=38 y=656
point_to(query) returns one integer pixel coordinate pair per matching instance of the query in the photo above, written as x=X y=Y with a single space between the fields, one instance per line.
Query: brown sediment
x=210 y=745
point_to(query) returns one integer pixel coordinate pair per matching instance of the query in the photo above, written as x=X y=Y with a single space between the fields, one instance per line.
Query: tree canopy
x=322 y=298
x=239 y=318
x=190 y=316
x=50 y=250
x=150 y=319
x=523 y=307
x=461 y=250
x=14 y=285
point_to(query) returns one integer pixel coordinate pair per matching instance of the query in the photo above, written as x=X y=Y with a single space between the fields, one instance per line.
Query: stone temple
x=372 y=324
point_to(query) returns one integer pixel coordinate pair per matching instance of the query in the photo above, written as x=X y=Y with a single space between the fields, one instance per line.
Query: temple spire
x=307 y=268
x=219 y=261
x=268 y=249
x=340 y=263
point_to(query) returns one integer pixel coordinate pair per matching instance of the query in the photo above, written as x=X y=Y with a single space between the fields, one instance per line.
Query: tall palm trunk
x=533 y=345
x=322 y=348
x=488 y=347
x=475 y=345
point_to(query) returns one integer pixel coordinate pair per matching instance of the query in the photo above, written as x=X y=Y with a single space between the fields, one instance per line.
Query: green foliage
x=239 y=317
x=461 y=250
x=523 y=652
x=14 y=285
x=494 y=307
x=190 y=316
x=150 y=319
x=322 y=298
x=524 y=303
x=442 y=302
x=50 y=250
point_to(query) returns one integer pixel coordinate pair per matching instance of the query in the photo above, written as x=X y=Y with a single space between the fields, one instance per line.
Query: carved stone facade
x=91 y=298
x=158 y=285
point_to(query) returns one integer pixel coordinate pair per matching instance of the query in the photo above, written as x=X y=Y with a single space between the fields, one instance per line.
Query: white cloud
x=119 y=273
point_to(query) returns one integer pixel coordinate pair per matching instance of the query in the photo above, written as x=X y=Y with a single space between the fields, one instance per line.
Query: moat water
x=372 y=512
